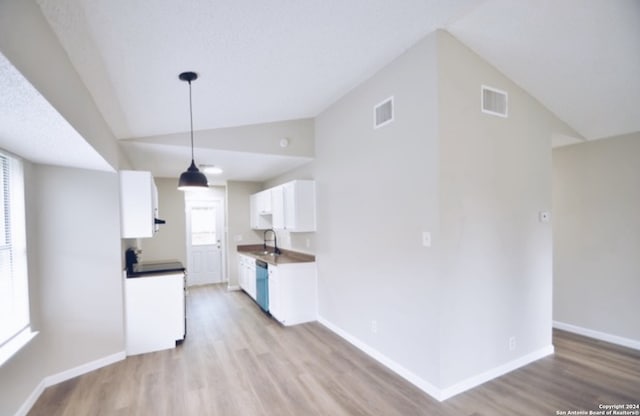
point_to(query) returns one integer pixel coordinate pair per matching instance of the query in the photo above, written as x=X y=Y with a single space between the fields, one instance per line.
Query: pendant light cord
x=191 y=120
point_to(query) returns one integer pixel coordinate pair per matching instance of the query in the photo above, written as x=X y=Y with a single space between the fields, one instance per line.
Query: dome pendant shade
x=191 y=179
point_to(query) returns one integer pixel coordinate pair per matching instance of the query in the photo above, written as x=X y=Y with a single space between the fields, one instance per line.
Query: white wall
x=377 y=192
x=445 y=314
x=170 y=240
x=239 y=230
x=496 y=256
x=73 y=227
x=596 y=236
x=78 y=256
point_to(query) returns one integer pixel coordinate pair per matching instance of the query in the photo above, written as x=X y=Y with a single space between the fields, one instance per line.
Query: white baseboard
x=66 y=375
x=496 y=372
x=433 y=391
x=602 y=336
x=233 y=288
x=84 y=368
x=31 y=400
x=419 y=382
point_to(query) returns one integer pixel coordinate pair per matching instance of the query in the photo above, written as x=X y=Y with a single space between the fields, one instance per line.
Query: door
x=205 y=236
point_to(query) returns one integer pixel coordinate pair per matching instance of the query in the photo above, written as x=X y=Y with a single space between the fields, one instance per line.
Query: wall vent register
x=383 y=113
x=493 y=101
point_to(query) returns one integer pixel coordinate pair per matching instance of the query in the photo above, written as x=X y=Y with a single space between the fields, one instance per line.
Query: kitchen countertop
x=150 y=268
x=257 y=251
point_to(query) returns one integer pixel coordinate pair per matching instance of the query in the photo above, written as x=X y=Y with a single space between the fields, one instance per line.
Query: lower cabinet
x=293 y=293
x=247 y=274
x=154 y=312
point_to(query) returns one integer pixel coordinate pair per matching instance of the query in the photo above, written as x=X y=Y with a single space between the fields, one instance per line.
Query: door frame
x=208 y=196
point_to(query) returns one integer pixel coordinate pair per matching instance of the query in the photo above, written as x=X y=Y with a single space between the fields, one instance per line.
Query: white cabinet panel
x=264 y=202
x=294 y=206
x=293 y=293
x=260 y=218
x=278 y=216
x=138 y=204
x=247 y=274
x=155 y=312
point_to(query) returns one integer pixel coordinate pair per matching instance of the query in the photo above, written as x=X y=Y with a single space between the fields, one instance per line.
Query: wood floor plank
x=238 y=361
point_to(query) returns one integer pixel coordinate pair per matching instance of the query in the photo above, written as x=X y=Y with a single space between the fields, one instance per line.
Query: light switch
x=426 y=238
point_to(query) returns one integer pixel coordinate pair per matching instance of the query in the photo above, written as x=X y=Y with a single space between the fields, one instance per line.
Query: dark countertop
x=257 y=251
x=152 y=268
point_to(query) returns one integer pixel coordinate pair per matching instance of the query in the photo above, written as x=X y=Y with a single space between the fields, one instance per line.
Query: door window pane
x=203 y=226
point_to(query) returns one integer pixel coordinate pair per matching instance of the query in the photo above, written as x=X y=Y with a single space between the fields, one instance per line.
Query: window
x=203 y=225
x=15 y=329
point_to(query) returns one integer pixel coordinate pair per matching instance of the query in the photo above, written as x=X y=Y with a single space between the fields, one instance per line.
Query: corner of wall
x=494 y=180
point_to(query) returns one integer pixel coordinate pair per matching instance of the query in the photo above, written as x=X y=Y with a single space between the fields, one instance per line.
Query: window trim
x=16 y=343
x=10 y=346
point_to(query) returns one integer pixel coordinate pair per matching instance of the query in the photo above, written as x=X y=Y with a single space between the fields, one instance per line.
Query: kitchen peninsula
x=155 y=307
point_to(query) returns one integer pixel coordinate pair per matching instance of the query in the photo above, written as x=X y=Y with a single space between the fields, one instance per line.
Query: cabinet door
x=251 y=280
x=137 y=204
x=290 y=207
x=258 y=219
x=294 y=206
x=154 y=308
x=275 y=301
x=264 y=202
x=241 y=271
x=277 y=207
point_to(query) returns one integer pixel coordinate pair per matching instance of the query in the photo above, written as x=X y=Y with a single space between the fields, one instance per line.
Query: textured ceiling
x=580 y=58
x=258 y=61
x=261 y=62
x=29 y=125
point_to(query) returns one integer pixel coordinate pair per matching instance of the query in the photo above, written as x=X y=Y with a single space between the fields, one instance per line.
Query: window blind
x=14 y=290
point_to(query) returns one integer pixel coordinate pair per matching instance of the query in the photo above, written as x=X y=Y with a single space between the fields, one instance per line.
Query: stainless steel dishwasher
x=262 y=284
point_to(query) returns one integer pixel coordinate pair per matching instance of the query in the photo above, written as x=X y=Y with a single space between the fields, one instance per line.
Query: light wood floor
x=236 y=361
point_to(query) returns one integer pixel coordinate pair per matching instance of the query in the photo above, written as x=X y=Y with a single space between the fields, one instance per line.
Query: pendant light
x=192 y=178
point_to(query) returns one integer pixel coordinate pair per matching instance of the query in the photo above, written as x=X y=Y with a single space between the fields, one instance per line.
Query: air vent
x=383 y=113
x=494 y=101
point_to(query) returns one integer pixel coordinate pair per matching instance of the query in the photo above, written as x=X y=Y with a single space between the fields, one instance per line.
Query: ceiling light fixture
x=212 y=170
x=192 y=178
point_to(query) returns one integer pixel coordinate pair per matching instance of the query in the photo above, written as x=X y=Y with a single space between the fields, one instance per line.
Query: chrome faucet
x=276 y=250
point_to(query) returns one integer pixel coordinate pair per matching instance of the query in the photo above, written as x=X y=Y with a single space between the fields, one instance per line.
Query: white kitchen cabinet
x=294 y=206
x=264 y=202
x=293 y=293
x=260 y=205
x=138 y=204
x=154 y=312
x=247 y=274
x=241 y=282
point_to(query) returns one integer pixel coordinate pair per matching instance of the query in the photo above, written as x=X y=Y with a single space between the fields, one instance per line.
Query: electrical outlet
x=512 y=343
x=308 y=241
x=374 y=326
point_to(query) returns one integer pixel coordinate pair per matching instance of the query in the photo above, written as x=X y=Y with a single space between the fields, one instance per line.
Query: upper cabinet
x=261 y=210
x=264 y=202
x=294 y=206
x=290 y=206
x=138 y=204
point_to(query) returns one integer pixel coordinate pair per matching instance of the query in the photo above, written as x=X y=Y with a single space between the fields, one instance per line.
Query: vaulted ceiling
x=263 y=62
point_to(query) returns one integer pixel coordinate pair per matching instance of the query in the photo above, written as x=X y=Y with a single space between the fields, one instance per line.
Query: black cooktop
x=156 y=267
